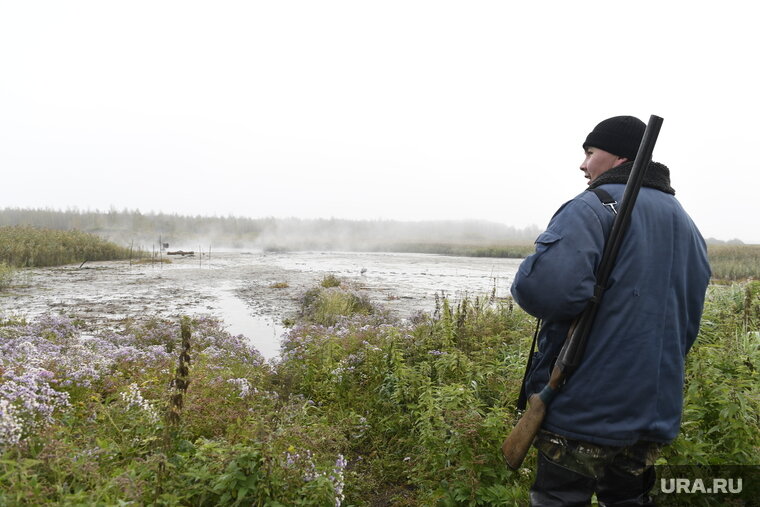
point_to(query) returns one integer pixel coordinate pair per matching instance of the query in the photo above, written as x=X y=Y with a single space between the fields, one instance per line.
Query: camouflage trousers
x=571 y=471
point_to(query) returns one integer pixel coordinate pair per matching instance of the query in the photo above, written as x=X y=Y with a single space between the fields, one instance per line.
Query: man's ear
x=619 y=161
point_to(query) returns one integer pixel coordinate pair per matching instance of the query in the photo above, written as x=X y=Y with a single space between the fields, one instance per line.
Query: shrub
x=327 y=306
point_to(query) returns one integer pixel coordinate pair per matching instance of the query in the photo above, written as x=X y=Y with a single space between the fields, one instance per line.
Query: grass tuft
x=330 y=302
x=330 y=281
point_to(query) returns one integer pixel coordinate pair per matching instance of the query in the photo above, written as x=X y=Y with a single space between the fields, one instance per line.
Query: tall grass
x=6 y=274
x=722 y=403
x=364 y=410
x=734 y=262
x=23 y=246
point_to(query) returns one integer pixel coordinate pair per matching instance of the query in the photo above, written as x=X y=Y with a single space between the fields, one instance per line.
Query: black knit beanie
x=619 y=135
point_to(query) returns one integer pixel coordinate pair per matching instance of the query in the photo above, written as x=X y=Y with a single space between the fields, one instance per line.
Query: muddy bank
x=252 y=292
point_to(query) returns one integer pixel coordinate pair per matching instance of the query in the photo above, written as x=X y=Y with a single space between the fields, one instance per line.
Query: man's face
x=598 y=162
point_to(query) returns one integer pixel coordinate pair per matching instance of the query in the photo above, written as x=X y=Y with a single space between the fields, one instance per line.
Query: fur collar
x=657 y=177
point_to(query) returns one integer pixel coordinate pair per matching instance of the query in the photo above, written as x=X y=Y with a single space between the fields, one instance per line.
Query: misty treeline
x=131 y=227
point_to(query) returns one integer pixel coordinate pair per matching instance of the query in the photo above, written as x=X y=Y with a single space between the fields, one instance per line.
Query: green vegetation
x=734 y=262
x=6 y=274
x=363 y=411
x=330 y=281
x=23 y=246
x=331 y=301
x=721 y=423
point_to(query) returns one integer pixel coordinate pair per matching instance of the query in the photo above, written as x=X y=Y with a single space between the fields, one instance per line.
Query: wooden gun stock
x=518 y=442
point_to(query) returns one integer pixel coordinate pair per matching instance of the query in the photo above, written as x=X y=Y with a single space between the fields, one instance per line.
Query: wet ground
x=251 y=291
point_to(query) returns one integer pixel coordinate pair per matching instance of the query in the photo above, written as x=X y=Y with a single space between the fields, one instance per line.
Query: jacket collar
x=657 y=177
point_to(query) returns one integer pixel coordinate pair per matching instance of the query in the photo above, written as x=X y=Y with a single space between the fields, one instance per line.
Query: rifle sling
x=607 y=200
x=522 y=400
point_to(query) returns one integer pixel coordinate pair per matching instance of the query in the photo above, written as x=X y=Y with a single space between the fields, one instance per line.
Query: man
x=605 y=428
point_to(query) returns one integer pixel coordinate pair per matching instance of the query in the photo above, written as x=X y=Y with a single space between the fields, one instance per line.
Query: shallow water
x=415 y=275
x=263 y=331
x=239 y=287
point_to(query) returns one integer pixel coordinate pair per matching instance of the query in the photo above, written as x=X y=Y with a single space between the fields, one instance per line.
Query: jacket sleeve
x=556 y=281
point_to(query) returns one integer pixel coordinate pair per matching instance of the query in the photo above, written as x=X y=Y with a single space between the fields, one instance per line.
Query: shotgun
x=518 y=442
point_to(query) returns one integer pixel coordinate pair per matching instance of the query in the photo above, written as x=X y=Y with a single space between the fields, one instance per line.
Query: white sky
x=408 y=110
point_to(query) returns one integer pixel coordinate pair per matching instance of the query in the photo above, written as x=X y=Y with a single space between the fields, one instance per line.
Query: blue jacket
x=629 y=384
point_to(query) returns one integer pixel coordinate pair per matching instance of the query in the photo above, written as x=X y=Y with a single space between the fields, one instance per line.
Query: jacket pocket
x=544 y=241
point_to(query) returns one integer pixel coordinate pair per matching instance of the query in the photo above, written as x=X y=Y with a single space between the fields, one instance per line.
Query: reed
x=734 y=262
x=6 y=274
x=24 y=246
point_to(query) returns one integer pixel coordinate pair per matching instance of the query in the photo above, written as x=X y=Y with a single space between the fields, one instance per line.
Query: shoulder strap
x=522 y=400
x=605 y=198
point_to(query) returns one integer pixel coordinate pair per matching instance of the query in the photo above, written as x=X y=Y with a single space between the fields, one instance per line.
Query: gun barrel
x=575 y=345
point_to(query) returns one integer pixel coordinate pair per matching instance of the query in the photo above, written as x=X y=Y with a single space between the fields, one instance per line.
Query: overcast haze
x=408 y=110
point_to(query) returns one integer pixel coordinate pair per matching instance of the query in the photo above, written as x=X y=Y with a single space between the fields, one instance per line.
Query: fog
x=410 y=111
x=148 y=231
x=299 y=234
